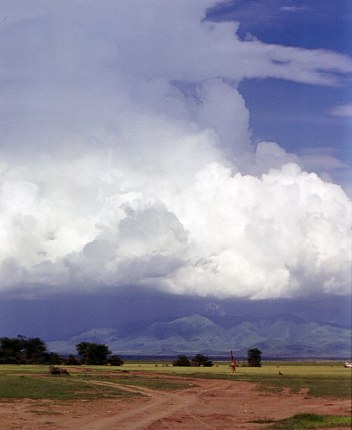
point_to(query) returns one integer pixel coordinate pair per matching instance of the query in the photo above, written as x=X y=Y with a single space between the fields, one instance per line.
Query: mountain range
x=281 y=336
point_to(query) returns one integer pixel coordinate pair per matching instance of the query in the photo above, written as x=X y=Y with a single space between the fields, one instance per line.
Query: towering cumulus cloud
x=126 y=157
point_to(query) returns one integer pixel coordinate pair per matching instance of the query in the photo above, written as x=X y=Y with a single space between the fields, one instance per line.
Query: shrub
x=57 y=371
x=71 y=360
x=115 y=360
x=201 y=360
x=182 y=360
x=254 y=357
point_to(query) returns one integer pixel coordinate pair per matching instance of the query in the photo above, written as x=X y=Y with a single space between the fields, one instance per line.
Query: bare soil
x=207 y=404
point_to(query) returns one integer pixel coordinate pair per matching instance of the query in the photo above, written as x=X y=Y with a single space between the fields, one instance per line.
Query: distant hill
x=282 y=336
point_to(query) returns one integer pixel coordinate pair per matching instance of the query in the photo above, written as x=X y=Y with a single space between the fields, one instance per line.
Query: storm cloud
x=126 y=157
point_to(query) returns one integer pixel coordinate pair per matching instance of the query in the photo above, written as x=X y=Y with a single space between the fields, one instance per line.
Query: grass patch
x=25 y=369
x=321 y=379
x=151 y=382
x=309 y=421
x=54 y=388
x=317 y=386
x=34 y=382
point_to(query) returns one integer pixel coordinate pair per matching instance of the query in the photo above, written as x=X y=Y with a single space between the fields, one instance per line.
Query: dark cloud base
x=67 y=315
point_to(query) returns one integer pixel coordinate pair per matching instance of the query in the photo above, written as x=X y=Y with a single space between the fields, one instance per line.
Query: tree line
x=197 y=360
x=254 y=359
x=24 y=350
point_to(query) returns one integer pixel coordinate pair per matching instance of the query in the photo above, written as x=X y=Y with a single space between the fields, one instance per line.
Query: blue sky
x=301 y=117
x=175 y=149
x=307 y=23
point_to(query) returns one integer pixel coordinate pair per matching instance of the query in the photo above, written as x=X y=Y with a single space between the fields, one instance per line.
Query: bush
x=254 y=357
x=52 y=358
x=57 y=371
x=115 y=360
x=201 y=360
x=93 y=353
x=182 y=360
x=71 y=360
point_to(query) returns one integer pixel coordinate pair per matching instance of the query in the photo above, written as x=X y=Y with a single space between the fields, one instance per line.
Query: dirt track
x=207 y=404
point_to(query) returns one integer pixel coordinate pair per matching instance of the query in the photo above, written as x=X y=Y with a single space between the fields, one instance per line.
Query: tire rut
x=159 y=406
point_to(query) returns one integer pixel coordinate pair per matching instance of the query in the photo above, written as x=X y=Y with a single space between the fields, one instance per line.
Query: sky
x=177 y=150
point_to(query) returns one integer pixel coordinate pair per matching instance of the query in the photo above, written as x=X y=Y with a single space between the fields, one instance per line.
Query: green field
x=325 y=379
x=86 y=382
x=329 y=379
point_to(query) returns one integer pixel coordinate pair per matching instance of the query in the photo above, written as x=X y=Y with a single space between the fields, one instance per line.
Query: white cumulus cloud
x=126 y=157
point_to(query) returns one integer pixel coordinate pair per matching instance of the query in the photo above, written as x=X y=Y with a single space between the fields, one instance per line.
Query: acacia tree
x=201 y=360
x=34 y=351
x=11 y=350
x=116 y=360
x=23 y=350
x=93 y=353
x=71 y=360
x=254 y=357
x=182 y=360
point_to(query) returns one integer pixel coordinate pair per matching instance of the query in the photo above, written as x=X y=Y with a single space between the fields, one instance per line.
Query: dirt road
x=207 y=404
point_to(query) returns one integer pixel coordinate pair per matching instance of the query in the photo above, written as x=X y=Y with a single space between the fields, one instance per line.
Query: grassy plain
x=329 y=379
x=53 y=388
x=83 y=382
x=322 y=379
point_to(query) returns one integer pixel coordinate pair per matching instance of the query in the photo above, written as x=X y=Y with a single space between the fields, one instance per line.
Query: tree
x=23 y=350
x=182 y=360
x=93 y=353
x=72 y=361
x=254 y=357
x=53 y=358
x=115 y=360
x=201 y=360
x=83 y=351
x=11 y=350
x=34 y=351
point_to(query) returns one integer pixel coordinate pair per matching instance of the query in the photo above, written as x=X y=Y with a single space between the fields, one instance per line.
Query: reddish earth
x=207 y=404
